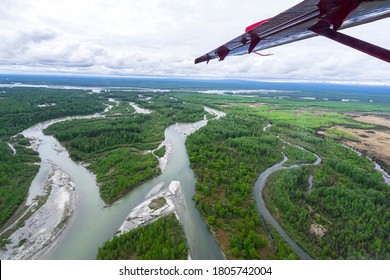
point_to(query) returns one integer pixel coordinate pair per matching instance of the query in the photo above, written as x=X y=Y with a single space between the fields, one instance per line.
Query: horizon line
x=199 y=78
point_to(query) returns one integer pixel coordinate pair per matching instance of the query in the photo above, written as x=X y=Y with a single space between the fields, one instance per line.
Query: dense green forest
x=115 y=145
x=21 y=108
x=298 y=156
x=161 y=240
x=16 y=173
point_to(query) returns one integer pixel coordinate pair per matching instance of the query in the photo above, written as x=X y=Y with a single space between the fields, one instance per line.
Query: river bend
x=261 y=207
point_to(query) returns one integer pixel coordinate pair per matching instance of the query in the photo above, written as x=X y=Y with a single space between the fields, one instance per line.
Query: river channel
x=263 y=211
x=260 y=204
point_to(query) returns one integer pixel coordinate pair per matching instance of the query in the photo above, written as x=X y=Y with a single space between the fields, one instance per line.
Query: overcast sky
x=163 y=37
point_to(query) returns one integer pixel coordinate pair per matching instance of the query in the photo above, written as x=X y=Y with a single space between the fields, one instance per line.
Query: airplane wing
x=308 y=19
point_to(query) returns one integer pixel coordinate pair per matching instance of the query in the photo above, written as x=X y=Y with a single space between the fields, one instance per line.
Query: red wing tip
x=253 y=26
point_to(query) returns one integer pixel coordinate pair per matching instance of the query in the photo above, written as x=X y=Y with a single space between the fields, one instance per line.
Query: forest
x=161 y=240
x=21 y=108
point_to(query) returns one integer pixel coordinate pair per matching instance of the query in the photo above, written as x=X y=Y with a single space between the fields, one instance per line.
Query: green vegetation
x=174 y=109
x=120 y=108
x=305 y=120
x=338 y=135
x=21 y=108
x=214 y=100
x=283 y=251
x=161 y=240
x=157 y=203
x=120 y=170
x=298 y=156
x=16 y=173
x=93 y=136
x=160 y=152
x=115 y=146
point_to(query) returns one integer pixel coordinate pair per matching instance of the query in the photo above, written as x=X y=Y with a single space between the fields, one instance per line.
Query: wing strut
x=323 y=28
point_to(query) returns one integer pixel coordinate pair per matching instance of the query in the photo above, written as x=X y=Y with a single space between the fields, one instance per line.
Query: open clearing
x=383 y=120
x=375 y=143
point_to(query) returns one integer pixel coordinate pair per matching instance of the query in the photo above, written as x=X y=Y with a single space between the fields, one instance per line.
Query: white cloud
x=162 y=37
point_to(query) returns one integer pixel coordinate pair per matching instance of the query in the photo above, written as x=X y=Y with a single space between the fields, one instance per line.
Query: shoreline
x=139 y=110
x=12 y=148
x=144 y=213
x=186 y=129
x=40 y=231
x=378 y=167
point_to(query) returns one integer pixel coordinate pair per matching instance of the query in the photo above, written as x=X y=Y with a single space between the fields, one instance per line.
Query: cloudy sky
x=163 y=37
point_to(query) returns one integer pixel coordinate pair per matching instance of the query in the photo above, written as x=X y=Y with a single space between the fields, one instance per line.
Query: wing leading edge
x=305 y=20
